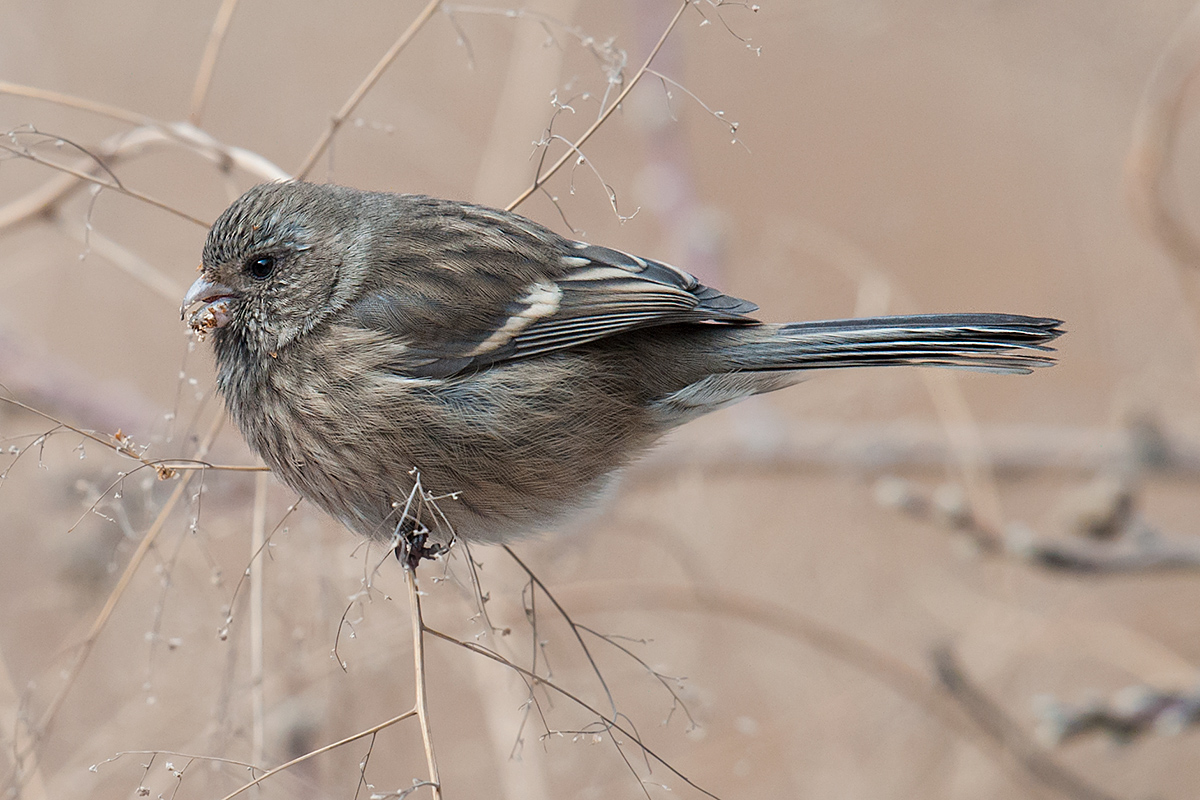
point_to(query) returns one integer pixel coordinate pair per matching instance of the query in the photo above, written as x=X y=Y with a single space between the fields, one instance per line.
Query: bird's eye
x=261 y=268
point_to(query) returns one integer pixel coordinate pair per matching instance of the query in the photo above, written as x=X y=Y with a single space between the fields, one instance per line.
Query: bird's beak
x=215 y=311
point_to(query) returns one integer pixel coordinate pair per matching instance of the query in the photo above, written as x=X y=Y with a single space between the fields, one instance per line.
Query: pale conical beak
x=215 y=311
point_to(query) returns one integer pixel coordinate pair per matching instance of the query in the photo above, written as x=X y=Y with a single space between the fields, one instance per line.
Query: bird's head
x=282 y=258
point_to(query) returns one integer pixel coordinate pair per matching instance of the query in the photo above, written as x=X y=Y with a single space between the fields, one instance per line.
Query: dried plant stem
x=214 y=467
x=356 y=97
x=610 y=724
x=1155 y=129
x=374 y=729
x=575 y=629
x=128 y=262
x=183 y=133
x=129 y=144
x=422 y=700
x=89 y=642
x=1041 y=774
x=164 y=466
x=966 y=442
x=79 y=103
x=595 y=126
x=15 y=724
x=208 y=62
x=258 y=530
x=87 y=177
x=992 y=721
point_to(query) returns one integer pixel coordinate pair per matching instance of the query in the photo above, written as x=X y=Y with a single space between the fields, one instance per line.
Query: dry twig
x=127 y=145
x=422 y=699
x=354 y=737
x=1155 y=129
x=992 y=720
x=1132 y=712
x=27 y=759
x=338 y=119
x=912 y=684
x=604 y=115
x=208 y=62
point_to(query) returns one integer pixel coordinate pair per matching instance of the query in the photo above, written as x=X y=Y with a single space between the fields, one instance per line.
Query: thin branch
x=208 y=62
x=319 y=751
x=717 y=5
x=1155 y=129
x=422 y=700
x=179 y=466
x=176 y=754
x=477 y=593
x=362 y=767
x=1132 y=712
x=608 y=189
x=905 y=681
x=595 y=126
x=79 y=103
x=123 y=445
x=992 y=720
x=183 y=133
x=575 y=629
x=130 y=144
x=356 y=97
x=665 y=680
x=89 y=178
x=255 y=554
x=258 y=541
x=717 y=115
x=128 y=262
x=89 y=642
x=609 y=723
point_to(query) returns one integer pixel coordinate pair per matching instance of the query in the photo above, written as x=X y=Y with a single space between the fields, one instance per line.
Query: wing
x=512 y=289
x=605 y=291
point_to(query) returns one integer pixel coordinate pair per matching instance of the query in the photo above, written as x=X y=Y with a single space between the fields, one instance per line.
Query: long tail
x=983 y=342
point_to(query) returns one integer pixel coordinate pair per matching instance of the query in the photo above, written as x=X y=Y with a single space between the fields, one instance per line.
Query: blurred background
x=878 y=584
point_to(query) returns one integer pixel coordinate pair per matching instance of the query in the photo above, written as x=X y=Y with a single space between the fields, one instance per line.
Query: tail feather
x=984 y=342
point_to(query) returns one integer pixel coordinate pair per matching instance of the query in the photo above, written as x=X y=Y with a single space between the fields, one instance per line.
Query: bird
x=372 y=344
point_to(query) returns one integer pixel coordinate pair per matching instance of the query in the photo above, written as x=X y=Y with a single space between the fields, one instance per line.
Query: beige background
x=899 y=156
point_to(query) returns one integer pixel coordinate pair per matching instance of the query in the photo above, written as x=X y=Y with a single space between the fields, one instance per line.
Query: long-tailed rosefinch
x=365 y=338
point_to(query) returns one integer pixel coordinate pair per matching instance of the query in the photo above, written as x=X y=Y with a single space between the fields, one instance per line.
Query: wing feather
x=469 y=308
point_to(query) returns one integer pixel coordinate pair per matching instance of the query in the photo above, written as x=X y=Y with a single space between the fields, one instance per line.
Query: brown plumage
x=362 y=338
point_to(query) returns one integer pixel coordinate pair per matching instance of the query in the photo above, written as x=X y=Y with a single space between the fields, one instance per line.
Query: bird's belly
x=497 y=455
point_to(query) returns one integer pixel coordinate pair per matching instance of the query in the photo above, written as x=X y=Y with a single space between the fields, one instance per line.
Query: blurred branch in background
x=997 y=725
x=1156 y=127
x=1013 y=450
x=961 y=708
x=385 y=61
x=870 y=205
x=122 y=146
x=1130 y=713
x=1107 y=536
x=208 y=62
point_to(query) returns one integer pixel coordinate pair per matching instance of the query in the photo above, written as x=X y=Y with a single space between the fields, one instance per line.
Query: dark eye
x=261 y=268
